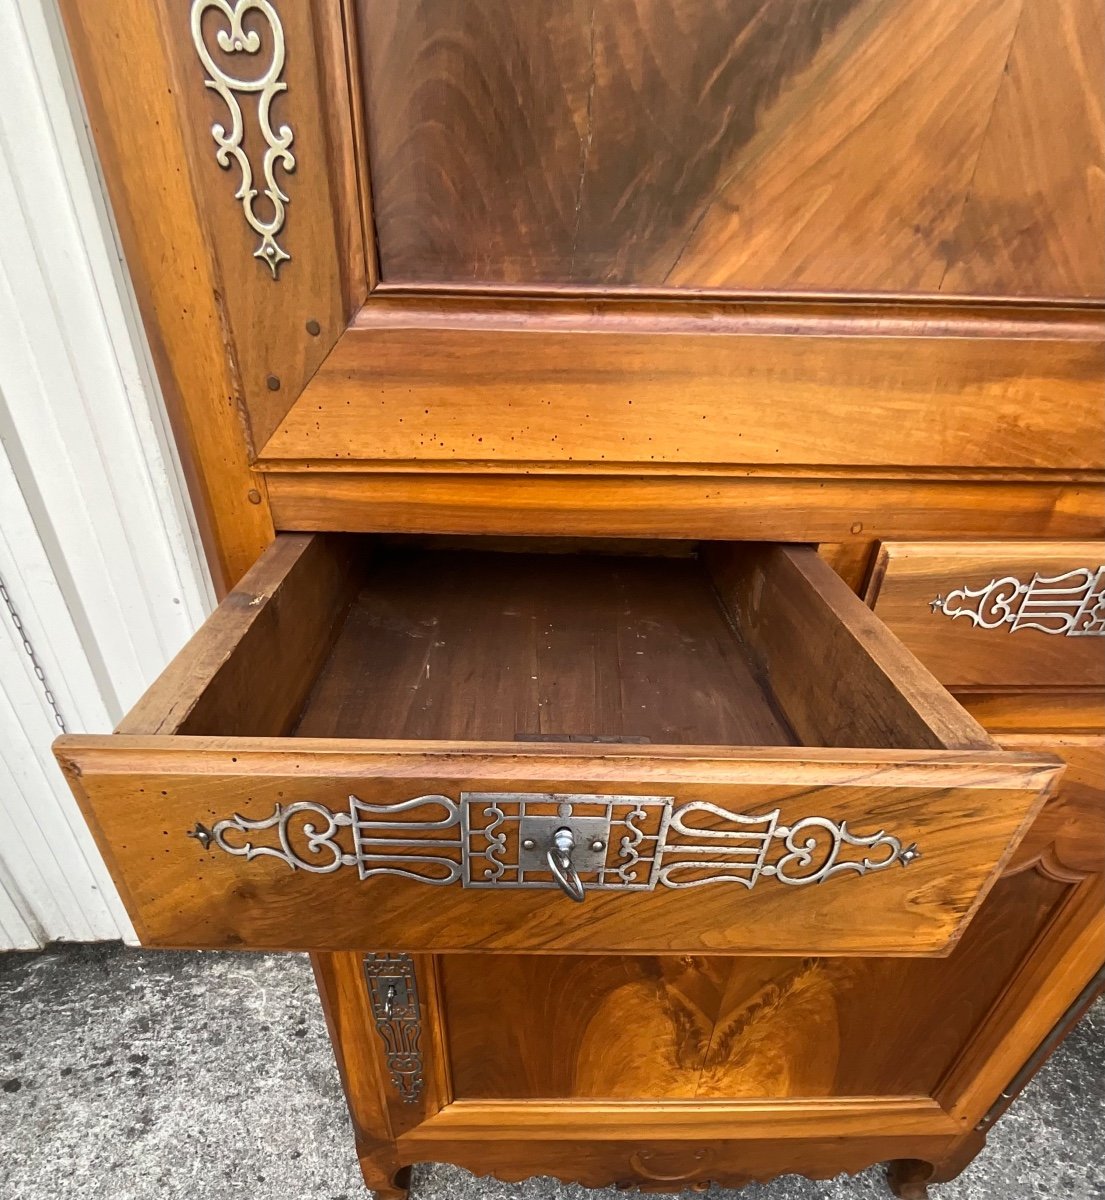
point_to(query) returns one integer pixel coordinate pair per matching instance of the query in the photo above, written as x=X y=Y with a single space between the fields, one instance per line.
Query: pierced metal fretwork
x=500 y=840
x=1067 y=605
x=381 y=843
x=393 y=995
x=239 y=36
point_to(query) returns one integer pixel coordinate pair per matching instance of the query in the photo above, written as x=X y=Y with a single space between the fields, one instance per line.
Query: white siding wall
x=98 y=548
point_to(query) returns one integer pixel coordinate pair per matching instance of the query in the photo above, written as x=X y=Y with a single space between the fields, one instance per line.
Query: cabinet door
x=872 y=146
x=662 y=1071
x=639 y=267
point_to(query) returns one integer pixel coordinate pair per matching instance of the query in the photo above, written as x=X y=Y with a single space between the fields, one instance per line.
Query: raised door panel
x=559 y=1027
x=766 y=144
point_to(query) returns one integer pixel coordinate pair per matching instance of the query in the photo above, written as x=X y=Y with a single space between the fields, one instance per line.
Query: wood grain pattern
x=664 y=148
x=1067 y=839
x=909 y=576
x=618 y=1028
x=1040 y=710
x=142 y=794
x=345 y=1004
x=761 y=145
x=325 y=279
x=766 y=507
x=1065 y=958
x=469 y=645
x=286 y=609
x=656 y=1149
x=1036 y=207
x=461 y=646
x=390 y=397
x=795 y=614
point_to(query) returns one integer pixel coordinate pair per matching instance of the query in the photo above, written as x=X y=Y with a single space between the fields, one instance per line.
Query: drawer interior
x=711 y=644
x=471 y=645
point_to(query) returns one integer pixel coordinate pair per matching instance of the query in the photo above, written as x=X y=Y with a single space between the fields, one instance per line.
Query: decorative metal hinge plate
x=500 y=839
x=1067 y=605
x=238 y=37
x=393 y=995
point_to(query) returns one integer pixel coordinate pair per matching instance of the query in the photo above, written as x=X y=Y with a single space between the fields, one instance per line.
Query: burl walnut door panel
x=852 y=145
x=679 y=1028
x=723 y=751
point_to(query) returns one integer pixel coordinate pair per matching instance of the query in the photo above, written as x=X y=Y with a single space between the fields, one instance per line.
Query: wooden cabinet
x=553 y=381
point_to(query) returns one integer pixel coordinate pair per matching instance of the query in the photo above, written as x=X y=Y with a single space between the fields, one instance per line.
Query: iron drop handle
x=559 y=859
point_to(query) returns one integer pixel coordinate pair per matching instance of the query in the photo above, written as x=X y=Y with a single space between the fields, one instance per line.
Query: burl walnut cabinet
x=651 y=455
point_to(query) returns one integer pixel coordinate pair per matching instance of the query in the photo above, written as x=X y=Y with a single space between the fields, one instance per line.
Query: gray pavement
x=128 y=1075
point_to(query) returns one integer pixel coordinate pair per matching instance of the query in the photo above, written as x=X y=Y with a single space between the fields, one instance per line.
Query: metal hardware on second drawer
x=1067 y=605
x=393 y=995
x=509 y=839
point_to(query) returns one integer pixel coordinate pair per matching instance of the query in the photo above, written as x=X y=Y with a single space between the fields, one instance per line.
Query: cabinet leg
x=340 y=981
x=384 y=1182
x=909 y=1178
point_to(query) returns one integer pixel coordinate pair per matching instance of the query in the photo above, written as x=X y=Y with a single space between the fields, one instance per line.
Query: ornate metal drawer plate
x=1067 y=605
x=501 y=839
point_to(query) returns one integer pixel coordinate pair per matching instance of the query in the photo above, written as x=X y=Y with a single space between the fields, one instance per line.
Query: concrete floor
x=134 y=1076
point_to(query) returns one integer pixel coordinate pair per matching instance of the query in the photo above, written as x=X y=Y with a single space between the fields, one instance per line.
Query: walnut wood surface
x=250 y=668
x=324 y=281
x=1067 y=839
x=1064 y=959
x=797 y=616
x=660 y=146
x=1035 y=211
x=143 y=148
x=1039 y=710
x=581 y=1028
x=651 y=397
x=471 y=645
x=349 y=1020
x=654 y=1148
x=446 y=645
x=909 y=576
x=846 y=511
x=863 y=145
x=141 y=795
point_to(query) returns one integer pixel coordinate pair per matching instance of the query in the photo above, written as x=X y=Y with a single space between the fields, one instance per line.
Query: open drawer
x=376 y=745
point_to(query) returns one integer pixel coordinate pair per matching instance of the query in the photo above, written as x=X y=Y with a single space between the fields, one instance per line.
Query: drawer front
x=997 y=614
x=297 y=844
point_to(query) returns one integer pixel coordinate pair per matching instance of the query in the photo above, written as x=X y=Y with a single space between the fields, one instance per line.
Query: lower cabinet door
x=665 y=1071
x=719 y=752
